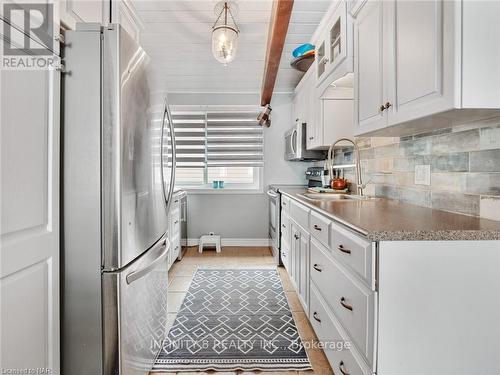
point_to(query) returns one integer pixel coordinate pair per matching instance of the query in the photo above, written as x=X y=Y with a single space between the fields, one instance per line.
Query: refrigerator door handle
x=168 y=116
x=136 y=275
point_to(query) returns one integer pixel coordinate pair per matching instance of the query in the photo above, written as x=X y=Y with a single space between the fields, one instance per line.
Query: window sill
x=227 y=191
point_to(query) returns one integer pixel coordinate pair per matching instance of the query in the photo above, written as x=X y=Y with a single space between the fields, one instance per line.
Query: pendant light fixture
x=224 y=33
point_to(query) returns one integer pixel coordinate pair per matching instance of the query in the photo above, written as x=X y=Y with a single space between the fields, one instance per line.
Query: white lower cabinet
x=174 y=233
x=396 y=307
x=439 y=307
x=352 y=302
x=285 y=239
x=338 y=300
x=285 y=255
x=300 y=263
x=337 y=345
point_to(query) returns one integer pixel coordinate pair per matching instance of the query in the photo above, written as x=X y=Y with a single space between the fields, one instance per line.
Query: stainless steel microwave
x=295 y=145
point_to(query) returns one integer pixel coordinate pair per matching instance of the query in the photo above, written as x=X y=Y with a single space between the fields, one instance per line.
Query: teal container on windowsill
x=218 y=184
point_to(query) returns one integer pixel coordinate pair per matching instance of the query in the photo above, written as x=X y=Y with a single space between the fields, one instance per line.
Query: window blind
x=190 y=139
x=234 y=139
x=216 y=139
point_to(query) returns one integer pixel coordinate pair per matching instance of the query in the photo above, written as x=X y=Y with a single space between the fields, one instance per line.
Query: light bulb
x=224 y=43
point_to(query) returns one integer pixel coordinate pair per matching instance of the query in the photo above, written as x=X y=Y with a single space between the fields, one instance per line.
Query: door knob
x=382 y=108
x=387 y=105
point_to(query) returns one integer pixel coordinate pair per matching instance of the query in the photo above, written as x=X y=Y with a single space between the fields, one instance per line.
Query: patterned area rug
x=234 y=319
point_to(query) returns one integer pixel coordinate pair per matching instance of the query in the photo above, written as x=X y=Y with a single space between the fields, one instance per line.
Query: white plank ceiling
x=177 y=36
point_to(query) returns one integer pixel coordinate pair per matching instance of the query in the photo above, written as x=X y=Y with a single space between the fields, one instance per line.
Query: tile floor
x=180 y=277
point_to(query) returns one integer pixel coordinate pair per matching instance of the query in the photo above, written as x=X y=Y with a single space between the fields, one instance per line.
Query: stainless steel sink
x=334 y=197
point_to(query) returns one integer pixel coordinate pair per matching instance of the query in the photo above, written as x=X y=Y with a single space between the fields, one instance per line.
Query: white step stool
x=209 y=239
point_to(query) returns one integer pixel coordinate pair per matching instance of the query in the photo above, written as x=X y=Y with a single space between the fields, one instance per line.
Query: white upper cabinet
x=370 y=85
x=422 y=65
x=337 y=119
x=333 y=45
x=328 y=117
x=304 y=108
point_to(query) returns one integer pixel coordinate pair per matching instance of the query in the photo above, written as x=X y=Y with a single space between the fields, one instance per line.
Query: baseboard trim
x=235 y=242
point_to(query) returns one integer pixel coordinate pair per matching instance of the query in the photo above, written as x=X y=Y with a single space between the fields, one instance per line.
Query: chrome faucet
x=359 y=185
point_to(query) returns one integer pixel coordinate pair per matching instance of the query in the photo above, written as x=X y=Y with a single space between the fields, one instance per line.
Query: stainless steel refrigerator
x=117 y=189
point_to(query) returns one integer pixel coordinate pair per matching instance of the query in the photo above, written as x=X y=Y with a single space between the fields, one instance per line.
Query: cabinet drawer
x=353 y=251
x=176 y=248
x=319 y=226
x=339 y=352
x=300 y=214
x=285 y=255
x=285 y=204
x=285 y=228
x=352 y=303
x=175 y=222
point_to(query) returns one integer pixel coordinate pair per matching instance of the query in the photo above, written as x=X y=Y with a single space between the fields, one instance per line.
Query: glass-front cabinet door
x=331 y=48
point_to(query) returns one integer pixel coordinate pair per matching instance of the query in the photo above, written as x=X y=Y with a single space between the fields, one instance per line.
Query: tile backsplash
x=464 y=163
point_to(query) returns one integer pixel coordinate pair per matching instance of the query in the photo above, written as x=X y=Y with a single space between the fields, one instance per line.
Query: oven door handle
x=272 y=194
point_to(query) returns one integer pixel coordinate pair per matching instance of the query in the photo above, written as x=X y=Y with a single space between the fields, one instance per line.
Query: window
x=218 y=146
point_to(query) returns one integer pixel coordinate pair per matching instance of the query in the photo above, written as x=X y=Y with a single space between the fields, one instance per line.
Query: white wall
x=277 y=170
x=243 y=216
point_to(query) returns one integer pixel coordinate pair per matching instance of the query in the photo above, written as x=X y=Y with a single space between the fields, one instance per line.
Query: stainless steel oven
x=274 y=221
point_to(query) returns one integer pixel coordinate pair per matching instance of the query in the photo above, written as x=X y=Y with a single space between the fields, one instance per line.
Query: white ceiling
x=177 y=36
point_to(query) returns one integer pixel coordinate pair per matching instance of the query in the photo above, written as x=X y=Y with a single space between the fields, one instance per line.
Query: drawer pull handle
x=345 y=305
x=315 y=316
x=296 y=236
x=284 y=203
x=341 y=248
x=317 y=227
x=316 y=267
x=341 y=365
x=176 y=222
x=283 y=225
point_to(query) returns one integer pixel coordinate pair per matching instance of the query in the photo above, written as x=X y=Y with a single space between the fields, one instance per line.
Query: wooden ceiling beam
x=278 y=27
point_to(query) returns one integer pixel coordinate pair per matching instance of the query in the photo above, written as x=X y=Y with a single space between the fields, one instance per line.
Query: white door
x=29 y=253
x=422 y=60
x=369 y=87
